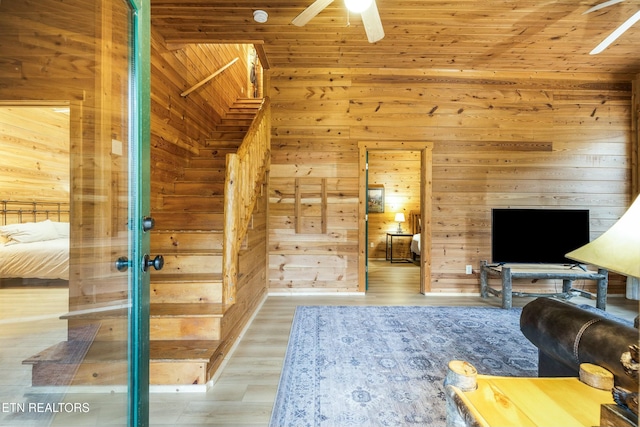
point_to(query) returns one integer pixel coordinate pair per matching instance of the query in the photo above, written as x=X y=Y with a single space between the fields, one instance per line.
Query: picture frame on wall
x=375 y=199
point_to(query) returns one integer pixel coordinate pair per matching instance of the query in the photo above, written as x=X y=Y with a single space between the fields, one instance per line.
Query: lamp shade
x=618 y=248
x=400 y=217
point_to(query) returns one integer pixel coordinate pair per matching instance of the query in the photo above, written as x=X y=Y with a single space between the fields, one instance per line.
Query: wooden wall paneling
x=328 y=159
x=499 y=140
x=181 y=126
x=34 y=141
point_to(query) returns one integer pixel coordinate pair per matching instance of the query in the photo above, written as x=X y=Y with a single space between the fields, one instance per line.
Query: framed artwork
x=375 y=199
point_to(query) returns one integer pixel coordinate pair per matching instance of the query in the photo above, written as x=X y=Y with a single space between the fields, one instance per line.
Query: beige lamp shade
x=618 y=248
x=399 y=217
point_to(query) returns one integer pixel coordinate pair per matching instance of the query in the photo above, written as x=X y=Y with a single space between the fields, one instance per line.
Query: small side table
x=389 y=254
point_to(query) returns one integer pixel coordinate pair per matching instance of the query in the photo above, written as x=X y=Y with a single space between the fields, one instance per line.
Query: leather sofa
x=567 y=335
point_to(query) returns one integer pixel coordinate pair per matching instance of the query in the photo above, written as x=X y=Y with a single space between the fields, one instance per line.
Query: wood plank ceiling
x=480 y=35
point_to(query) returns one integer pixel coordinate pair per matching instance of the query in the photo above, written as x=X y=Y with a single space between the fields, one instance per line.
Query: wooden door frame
x=425 y=149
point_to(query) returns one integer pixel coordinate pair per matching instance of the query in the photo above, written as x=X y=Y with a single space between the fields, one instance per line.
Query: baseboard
x=312 y=292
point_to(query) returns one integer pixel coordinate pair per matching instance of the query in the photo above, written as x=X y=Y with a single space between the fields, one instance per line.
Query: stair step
x=228 y=135
x=186 y=310
x=180 y=362
x=193 y=203
x=244 y=114
x=172 y=362
x=183 y=321
x=233 y=126
x=174 y=241
x=200 y=262
x=255 y=102
x=204 y=174
x=226 y=144
x=182 y=288
x=188 y=221
x=217 y=151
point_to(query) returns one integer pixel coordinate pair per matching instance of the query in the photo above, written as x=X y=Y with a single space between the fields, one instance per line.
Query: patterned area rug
x=385 y=366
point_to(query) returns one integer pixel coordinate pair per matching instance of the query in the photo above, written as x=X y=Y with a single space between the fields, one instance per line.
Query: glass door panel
x=72 y=340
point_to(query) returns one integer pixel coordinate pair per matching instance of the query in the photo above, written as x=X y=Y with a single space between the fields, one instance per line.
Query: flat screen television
x=537 y=235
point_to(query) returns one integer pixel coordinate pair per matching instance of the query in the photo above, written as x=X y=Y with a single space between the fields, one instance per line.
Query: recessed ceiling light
x=260 y=16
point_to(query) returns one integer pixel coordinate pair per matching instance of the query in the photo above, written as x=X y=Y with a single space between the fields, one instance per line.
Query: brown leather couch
x=567 y=335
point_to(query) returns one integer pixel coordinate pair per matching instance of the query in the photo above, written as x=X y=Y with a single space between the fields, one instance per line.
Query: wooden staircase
x=189 y=334
x=187 y=310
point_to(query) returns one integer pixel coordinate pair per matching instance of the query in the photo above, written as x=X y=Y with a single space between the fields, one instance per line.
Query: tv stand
x=580 y=266
x=508 y=272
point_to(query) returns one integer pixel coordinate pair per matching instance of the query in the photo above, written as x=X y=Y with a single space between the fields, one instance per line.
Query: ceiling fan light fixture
x=357 y=6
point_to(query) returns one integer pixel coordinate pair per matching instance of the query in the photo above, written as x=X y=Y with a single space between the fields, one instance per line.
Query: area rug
x=385 y=366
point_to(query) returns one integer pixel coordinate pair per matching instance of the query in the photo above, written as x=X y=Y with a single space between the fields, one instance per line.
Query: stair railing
x=245 y=176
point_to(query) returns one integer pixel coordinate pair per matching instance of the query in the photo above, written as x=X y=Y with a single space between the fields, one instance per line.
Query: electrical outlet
x=469 y=269
x=372 y=244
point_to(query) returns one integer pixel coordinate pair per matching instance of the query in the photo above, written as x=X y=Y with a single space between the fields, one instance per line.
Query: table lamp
x=618 y=248
x=399 y=220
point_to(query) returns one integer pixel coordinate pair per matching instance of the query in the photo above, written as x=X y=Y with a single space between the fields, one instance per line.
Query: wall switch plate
x=469 y=269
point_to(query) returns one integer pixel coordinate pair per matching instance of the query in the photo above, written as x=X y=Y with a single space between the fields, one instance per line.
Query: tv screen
x=537 y=235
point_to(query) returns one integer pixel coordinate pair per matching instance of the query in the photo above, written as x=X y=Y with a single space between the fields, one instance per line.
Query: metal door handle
x=148 y=223
x=122 y=263
x=157 y=262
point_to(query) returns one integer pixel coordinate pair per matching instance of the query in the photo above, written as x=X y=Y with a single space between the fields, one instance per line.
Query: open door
x=92 y=57
x=425 y=149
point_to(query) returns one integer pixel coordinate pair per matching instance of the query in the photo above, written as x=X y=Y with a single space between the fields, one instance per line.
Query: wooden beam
x=262 y=55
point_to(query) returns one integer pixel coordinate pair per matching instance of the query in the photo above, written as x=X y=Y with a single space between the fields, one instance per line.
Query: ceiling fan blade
x=602 y=6
x=310 y=12
x=617 y=33
x=372 y=23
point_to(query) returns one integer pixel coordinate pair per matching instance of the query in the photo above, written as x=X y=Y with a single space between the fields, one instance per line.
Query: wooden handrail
x=206 y=79
x=245 y=174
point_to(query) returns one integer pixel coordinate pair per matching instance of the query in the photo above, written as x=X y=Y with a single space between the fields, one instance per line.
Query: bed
x=34 y=242
x=415 y=221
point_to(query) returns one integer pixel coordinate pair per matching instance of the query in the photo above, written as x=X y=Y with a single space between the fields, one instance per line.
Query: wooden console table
x=509 y=272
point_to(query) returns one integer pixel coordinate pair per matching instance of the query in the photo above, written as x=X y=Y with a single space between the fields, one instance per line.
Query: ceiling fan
x=618 y=31
x=367 y=8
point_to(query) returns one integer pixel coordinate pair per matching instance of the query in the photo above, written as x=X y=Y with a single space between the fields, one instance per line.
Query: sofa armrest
x=567 y=336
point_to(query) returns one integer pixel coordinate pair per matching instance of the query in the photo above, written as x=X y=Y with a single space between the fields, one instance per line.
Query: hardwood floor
x=244 y=393
x=245 y=390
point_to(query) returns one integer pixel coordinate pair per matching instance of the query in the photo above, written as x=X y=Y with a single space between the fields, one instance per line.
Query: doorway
x=424 y=214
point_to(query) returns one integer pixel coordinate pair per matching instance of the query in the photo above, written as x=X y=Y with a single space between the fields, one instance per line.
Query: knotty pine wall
x=500 y=140
x=34 y=141
x=180 y=126
x=398 y=172
x=68 y=53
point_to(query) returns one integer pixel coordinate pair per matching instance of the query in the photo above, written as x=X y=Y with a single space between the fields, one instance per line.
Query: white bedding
x=39 y=260
x=415 y=244
x=35 y=250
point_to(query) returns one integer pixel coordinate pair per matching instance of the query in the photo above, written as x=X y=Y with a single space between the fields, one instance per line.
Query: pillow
x=30 y=232
x=62 y=228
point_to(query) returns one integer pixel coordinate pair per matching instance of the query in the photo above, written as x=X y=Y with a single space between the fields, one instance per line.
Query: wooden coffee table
x=524 y=402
